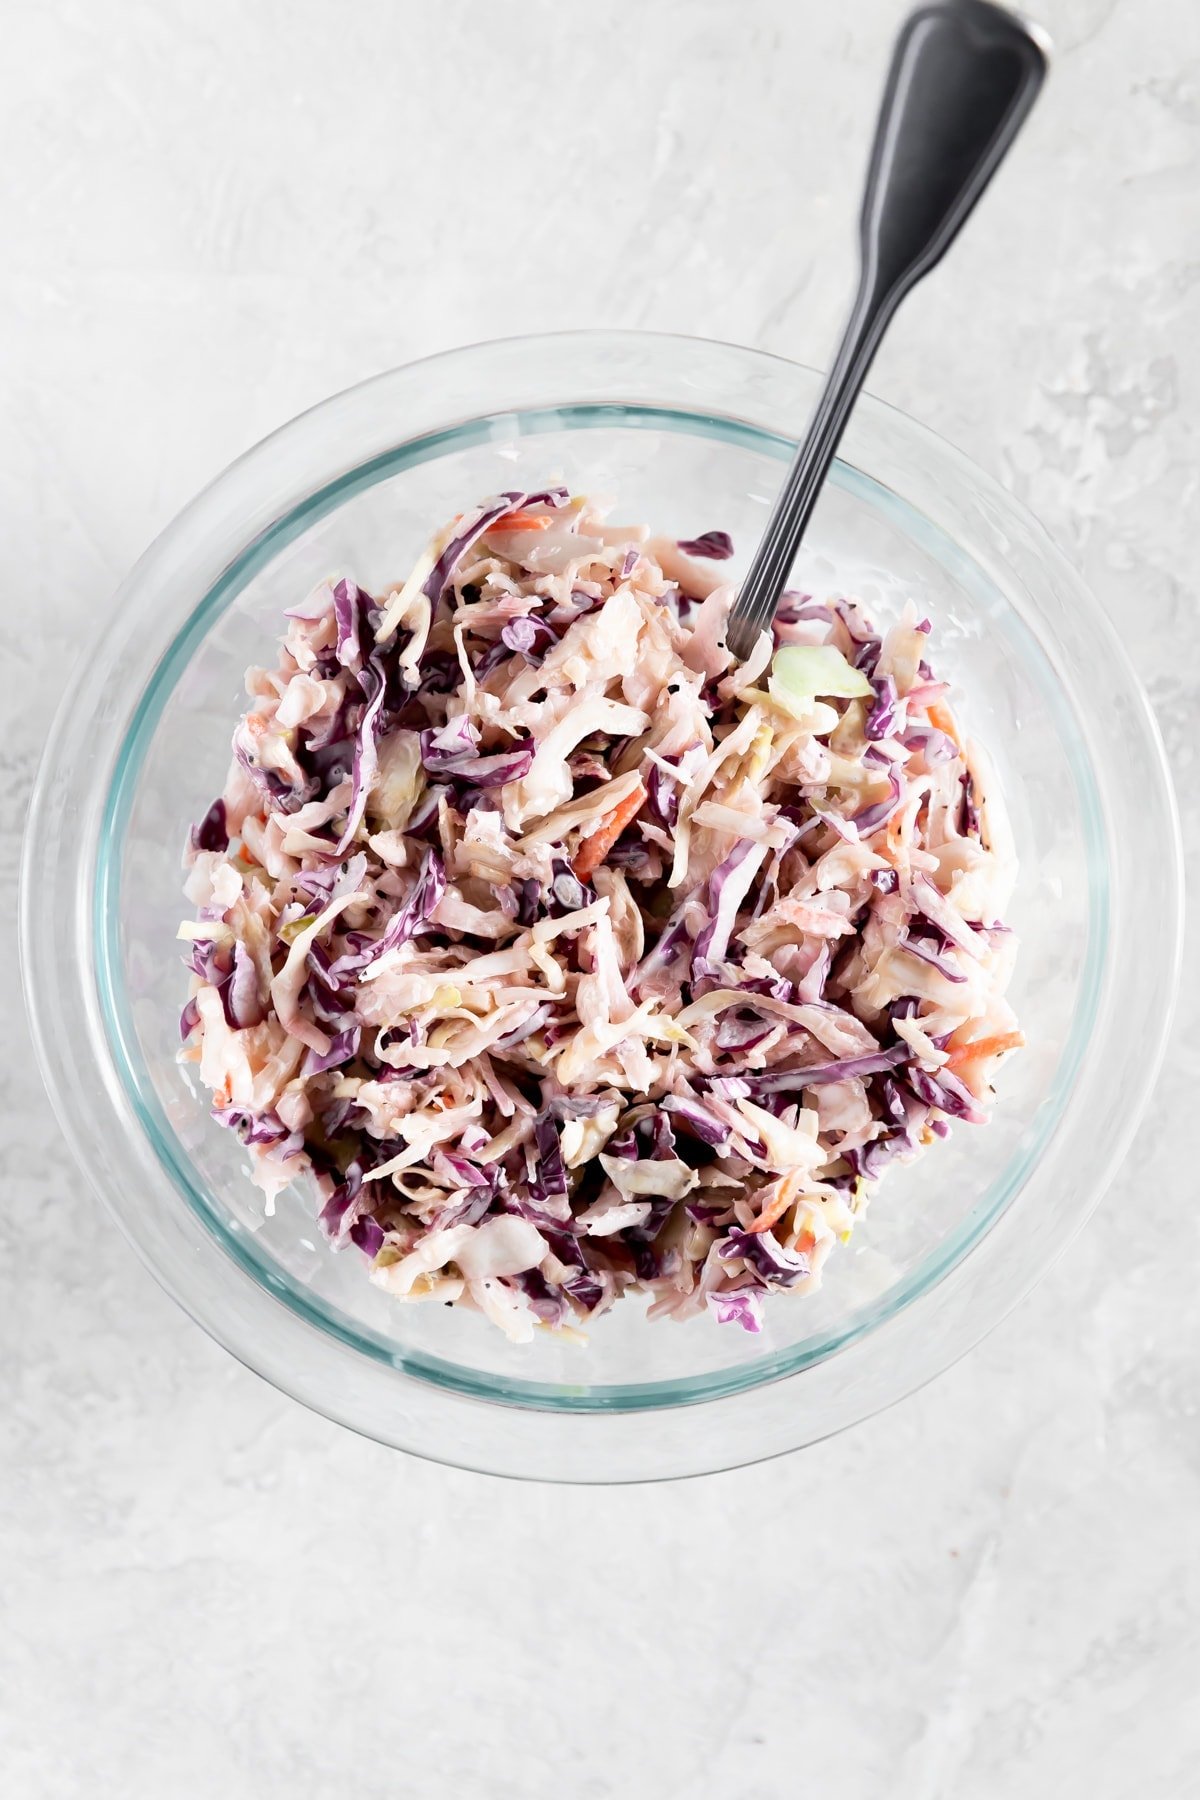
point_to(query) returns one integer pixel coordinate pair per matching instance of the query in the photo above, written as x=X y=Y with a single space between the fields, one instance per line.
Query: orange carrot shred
x=522 y=521
x=976 y=1049
x=943 y=718
x=596 y=846
x=785 y=1194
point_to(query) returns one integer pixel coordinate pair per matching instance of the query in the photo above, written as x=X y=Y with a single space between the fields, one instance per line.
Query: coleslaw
x=572 y=960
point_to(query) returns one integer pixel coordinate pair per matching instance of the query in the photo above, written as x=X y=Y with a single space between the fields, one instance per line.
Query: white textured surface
x=212 y=216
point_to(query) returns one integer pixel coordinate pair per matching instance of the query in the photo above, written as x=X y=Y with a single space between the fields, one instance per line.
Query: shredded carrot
x=785 y=1192
x=943 y=718
x=596 y=846
x=975 y=1050
x=521 y=521
x=889 y=850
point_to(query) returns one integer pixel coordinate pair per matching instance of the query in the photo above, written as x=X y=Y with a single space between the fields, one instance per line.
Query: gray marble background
x=211 y=217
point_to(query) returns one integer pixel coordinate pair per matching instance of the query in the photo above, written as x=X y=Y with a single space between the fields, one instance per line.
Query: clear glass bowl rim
x=102 y=1001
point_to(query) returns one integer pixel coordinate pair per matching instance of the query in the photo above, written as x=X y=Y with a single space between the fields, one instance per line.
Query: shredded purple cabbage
x=716 y=545
x=477 y=527
x=762 y=1252
x=530 y=638
x=211 y=833
x=742 y=1307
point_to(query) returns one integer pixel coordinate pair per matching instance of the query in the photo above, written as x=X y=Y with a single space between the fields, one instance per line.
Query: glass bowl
x=688 y=436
